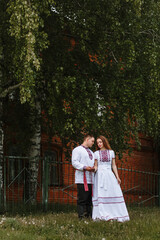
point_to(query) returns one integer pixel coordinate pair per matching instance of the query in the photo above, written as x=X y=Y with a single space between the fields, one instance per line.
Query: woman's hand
x=95 y=169
x=118 y=180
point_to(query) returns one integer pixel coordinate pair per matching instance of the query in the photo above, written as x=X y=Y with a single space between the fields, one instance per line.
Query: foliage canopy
x=94 y=65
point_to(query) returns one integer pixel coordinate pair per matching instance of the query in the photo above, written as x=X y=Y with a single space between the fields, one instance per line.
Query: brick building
x=138 y=184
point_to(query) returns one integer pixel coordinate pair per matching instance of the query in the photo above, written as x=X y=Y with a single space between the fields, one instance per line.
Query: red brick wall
x=138 y=186
x=144 y=158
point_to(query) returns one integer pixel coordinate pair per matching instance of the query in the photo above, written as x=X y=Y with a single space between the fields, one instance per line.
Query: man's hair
x=87 y=136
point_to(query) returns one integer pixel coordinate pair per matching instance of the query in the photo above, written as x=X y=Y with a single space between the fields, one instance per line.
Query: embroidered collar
x=104 y=155
x=89 y=152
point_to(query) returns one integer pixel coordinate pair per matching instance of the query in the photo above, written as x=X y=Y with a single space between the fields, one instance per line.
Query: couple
x=98 y=182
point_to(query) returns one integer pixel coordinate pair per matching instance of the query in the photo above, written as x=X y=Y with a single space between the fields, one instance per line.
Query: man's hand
x=90 y=169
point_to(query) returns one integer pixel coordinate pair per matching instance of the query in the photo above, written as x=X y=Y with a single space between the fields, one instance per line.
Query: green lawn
x=144 y=225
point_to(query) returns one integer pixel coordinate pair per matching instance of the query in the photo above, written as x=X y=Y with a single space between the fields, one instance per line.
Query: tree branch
x=9 y=89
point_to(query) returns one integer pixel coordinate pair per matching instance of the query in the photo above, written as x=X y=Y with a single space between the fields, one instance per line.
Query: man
x=83 y=162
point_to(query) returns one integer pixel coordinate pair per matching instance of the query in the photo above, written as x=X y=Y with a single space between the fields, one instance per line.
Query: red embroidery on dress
x=104 y=156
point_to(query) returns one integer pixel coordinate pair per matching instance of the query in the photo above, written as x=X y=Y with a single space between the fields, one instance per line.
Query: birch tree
x=94 y=65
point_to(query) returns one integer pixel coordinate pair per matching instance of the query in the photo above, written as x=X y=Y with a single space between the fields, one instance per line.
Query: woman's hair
x=105 y=142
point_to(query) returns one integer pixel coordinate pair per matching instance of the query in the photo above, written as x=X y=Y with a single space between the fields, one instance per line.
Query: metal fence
x=141 y=188
x=44 y=184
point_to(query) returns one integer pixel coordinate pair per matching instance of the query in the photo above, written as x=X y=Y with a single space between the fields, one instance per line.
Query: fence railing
x=141 y=188
x=45 y=184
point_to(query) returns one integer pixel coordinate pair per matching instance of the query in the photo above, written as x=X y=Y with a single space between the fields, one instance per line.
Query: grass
x=144 y=225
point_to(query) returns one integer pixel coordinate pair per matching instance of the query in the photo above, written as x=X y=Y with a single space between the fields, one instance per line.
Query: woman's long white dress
x=108 y=200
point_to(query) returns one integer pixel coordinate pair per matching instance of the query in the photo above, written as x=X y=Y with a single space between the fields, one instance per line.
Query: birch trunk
x=1 y=156
x=1 y=147
x=34 y=155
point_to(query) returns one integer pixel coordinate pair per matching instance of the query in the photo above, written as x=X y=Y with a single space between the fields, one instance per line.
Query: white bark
x=1 y=155
x=1 y=148
x=34 y=157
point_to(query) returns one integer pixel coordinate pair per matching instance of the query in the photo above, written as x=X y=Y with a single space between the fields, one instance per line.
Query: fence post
x=5 y=179
x=1 y=182
x=159 y=189
x=45 y=184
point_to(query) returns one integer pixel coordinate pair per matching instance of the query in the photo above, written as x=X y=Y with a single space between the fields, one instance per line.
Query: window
x=54 y=167
x=14 y=164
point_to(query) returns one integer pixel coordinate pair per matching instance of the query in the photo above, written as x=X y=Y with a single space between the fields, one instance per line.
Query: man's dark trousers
x=84 y=201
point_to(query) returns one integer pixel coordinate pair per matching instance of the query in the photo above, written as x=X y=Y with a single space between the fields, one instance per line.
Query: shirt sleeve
x=76 y=160
x=113 y=154
x=96 y=155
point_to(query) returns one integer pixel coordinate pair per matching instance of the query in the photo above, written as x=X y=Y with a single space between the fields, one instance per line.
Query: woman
x=108 y=200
